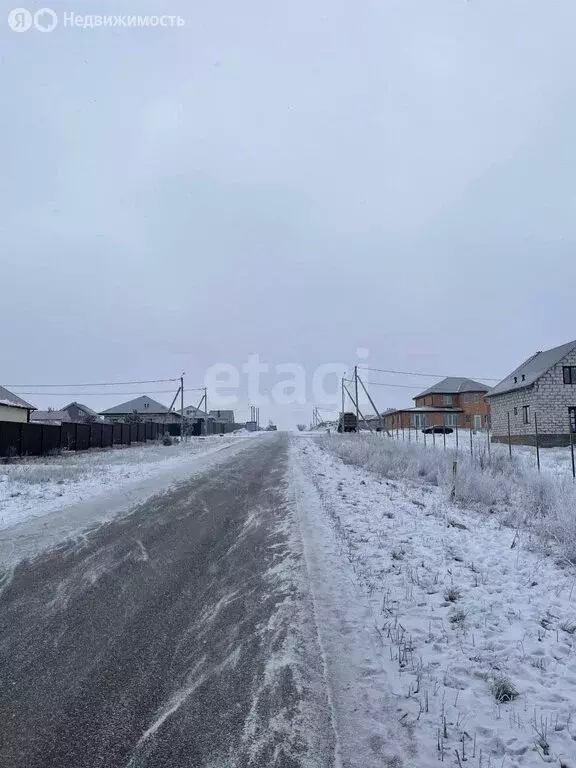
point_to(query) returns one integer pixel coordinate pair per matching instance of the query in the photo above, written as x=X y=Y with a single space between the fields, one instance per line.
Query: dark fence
x=41 y=439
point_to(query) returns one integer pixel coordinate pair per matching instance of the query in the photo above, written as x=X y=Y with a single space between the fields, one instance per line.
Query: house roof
x=9 y=398
x=142 y=404
x=197 y=413
x=424 y=409
x=532 y=369
x=50 y=416
x=85 y=408
x=454 y=385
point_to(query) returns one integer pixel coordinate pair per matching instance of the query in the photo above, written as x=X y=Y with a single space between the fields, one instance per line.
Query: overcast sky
x=292 y=178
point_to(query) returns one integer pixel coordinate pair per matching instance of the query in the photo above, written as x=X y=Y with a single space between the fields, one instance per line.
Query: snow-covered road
x=276 y=608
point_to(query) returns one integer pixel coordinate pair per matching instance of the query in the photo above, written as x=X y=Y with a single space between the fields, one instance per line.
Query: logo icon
x=45 y=20
x=20 y=20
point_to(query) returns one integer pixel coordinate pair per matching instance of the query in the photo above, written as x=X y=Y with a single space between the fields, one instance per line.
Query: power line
x=426 y=375
x=386 y=384
x=100 y=384
x=106 y=394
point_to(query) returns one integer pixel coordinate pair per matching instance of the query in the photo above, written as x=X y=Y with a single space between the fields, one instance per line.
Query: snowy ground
x=472 y=635
x=36 y=487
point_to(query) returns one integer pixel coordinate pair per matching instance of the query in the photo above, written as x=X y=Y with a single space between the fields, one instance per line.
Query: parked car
x=438 y=430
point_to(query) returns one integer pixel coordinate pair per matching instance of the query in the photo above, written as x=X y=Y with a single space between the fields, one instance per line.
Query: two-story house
x=452 y=402
x=539 y=394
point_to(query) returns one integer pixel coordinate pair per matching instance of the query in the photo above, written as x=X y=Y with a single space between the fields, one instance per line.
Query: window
x=515 y=379
x=569 y=372
x=419 y=420
x=572 y=413
x=467 y=419
x=447 y=399
x=451 y=419
x=515 y=411
x=526 y=414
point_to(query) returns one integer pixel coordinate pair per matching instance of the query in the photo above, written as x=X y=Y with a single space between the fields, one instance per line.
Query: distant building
x=226 y=417
x=50 y=417
x=453 y=402
x=141 y=409
x=541 y=392
x=80 y=414
x=13 y=408
x=195 y=421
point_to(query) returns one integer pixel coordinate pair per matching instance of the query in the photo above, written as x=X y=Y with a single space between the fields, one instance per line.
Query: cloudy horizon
x=290 y=181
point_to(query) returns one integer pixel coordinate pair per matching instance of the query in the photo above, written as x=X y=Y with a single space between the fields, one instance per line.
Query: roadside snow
x=556 y=461
x=37 y=487
x=468 y=646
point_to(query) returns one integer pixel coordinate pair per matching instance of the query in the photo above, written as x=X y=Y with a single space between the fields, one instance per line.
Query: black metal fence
x=41 y=439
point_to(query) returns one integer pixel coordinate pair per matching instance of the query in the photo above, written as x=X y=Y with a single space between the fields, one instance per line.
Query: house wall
x=404 y=420
x=549 y=398
x=469 y=409
x=9 y=413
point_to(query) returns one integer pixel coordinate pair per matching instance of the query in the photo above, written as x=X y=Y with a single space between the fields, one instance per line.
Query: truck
x=350 y=422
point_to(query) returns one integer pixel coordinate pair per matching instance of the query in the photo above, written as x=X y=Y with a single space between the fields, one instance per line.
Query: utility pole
x=206 y=410
x=357 y=404
x=182 y=408
x=342 y=388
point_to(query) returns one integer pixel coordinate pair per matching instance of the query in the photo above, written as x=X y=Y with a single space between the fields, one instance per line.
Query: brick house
x=452 y=402
x=539 y=393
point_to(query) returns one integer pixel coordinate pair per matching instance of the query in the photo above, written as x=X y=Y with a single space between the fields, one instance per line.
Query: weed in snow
x=503 y=689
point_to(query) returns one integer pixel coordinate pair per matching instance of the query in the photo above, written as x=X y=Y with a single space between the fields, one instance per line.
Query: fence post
x=454 y=472
x=456 y=436
x=434 y=435
x=571 y=433
x=471 y=444
x=425 y=442
x=60 y=439
x=41 y=439
x=403 y=435
x=76 y=436
x=444 y=436
x=488 y=439
x=509 y=437
x=537 y=440
x=20 y=439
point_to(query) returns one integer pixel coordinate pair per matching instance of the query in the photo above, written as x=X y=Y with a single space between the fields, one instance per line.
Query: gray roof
x=454 y=385
x=80 y=405
x=196 y=412
x=142 y=405
x=50 y=416
x=532 y=369
x=9 y=398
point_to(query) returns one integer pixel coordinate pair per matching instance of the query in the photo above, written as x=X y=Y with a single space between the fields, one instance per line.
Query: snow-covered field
x=475 y=444
x=475 y=625
x=36 y=487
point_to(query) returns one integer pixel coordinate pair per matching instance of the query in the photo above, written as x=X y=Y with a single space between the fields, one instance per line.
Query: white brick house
x=542 y=390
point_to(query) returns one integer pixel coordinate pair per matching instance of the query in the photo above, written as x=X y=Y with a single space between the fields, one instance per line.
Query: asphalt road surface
x=177 y=636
